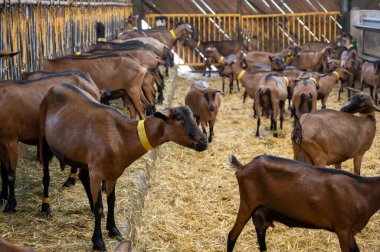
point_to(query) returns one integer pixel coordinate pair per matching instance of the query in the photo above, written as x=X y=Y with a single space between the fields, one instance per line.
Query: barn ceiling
x=247 y=6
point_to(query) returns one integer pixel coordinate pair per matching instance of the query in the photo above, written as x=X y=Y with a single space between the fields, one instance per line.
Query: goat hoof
x=70 y=182
x=99 y=245
x=275 y=135
x=45 y=210
x=257 y=135
x=115 y=233
x=210 y=139
x=3 y=201
x=10 y=207
x=104 y=187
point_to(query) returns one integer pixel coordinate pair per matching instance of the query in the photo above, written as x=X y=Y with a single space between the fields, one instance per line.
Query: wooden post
x=239 y=20
x=346 y=9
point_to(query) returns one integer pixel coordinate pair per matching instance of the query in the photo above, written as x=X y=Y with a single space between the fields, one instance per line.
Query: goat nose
x=212 y=108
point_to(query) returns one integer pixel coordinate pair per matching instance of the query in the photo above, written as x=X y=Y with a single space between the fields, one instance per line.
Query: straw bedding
x=192 y=197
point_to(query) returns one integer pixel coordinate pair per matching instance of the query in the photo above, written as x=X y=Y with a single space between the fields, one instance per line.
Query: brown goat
x=351 y=61
x=204 y=102
x=263 y=57
x=300 y=195
x=337 y=142
x=20 y=102
x=113 y=72
x=270 y=97
x=304 y=96
x=370 y=75
x=7 y=247
x=103 y=143
x=169 y=38
x=213 y=55
x=310 y=60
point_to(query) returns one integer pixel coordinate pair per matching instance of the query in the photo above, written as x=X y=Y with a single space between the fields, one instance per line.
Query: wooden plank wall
x=51 y=31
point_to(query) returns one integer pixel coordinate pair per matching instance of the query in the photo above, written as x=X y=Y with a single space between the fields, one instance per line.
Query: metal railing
x=256 y=32
x=47 y=29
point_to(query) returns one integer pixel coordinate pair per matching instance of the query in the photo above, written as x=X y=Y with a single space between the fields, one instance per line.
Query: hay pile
x=71 y=226
x=193 y=197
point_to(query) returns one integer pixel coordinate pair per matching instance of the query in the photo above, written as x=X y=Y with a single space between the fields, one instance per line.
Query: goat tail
x=297 y=130
x=235 y=162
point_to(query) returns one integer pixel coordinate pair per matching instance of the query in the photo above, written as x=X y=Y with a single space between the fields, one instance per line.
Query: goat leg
x=211 y=128
x=231 y=84
x=71 y=180
x=97 y=238
x=113 y=231
x=85 y=179
x=242 y=218
x=258 y=127
x=4 y=187
x=347 y=242
x=10 y=207
x=357 y=164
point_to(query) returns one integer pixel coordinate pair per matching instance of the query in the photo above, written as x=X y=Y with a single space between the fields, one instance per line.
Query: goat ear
x=270 y=58
x=354 y=90
x=164 y=115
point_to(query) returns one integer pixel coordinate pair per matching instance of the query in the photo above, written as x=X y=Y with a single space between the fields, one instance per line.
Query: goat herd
x=60 y=110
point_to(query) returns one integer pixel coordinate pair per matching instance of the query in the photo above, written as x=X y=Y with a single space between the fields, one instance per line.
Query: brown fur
x=304 y=97
x=205 y=103
x=318 y=138
x=19 y=118
x=371 y=77
x=263 y=57
x=110 y=72
x=312 y=61
x=182 y=31
x=270 y=98
x=108 y=143
x=300 y=195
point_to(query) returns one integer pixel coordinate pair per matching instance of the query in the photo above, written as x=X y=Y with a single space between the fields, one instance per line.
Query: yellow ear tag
x=337 y=74
x=78 y=53
x=134 y=28
x=102 y=40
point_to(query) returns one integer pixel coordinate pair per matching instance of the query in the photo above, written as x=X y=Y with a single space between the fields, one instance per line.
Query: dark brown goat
x=304 y=96
x=350 y=138
x=113 y=72
x=270 y=98
x=301 y=195
x=20 y=102
x=204 y=102
x=370 y=75
x=108 y=143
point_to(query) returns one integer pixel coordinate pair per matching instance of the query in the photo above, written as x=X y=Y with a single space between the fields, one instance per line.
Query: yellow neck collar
x=6 y=57
x=286 y=80
x=350 y=46
x=142 y=136
x=198 y=44
x=240 y=75
x=220 y=59
x=366 y=114
x=337 y=74
x=314 y=80
x=173 y=34
x=102 y=40
x=134 y=28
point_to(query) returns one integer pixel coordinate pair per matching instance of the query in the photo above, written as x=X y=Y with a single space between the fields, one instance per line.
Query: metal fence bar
x=272 y=32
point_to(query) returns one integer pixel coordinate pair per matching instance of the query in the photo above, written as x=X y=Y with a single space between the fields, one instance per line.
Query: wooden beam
x=150 y=6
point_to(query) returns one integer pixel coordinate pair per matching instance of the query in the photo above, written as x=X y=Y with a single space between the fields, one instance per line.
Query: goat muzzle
x=201 y=145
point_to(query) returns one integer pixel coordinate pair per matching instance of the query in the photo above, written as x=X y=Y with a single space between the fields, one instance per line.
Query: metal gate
x=256 y=32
